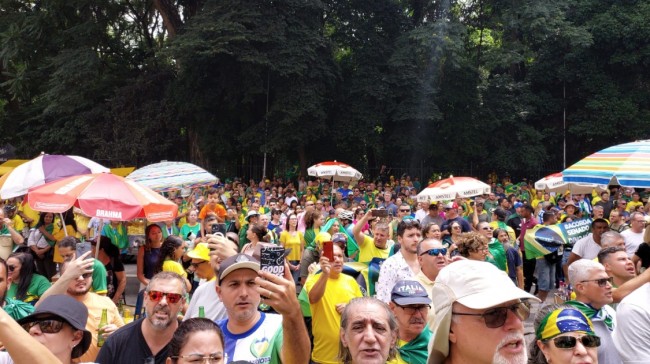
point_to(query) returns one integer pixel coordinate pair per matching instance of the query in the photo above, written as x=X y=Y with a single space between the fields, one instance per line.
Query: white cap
x=474 y=284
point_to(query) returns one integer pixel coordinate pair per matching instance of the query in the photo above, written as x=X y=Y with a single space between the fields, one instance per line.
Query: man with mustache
x=147 y=340
x=410 y=305
x=329 y=292
x=480 y=316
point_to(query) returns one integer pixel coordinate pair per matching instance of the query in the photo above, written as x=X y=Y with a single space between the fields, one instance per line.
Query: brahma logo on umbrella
x=115 y=215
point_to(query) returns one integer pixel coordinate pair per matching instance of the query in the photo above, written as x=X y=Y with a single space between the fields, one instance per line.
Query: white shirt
x=607 y=353
x=632 y=241
x=392 y=270
x=586 y=248
x=206 y=296
x=632 y=332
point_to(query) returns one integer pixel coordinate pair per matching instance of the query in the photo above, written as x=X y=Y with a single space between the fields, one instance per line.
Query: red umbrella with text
x=102 y=195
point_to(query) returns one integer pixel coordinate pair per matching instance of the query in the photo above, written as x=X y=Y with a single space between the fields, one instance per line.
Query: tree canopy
x=465 y=87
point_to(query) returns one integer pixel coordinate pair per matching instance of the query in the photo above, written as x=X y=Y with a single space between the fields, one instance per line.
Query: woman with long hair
x=293 y=239
x=171 y=251
x=148 y=255
x=26 y=285
x=452 y=240
x=513 y=257
x=42 y=244
x=256 y=234
x=195 y=340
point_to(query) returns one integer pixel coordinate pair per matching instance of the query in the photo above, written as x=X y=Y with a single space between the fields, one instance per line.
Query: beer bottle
x=201 y=311
x=103 y=322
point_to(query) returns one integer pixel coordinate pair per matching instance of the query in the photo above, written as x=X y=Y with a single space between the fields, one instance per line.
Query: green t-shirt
x=186 y=229
x=37 y=287
x=99 y=278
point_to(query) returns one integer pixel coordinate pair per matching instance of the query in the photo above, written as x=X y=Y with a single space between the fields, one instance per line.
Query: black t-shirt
x=643 y=252
x=111 y=278
x=128 y=346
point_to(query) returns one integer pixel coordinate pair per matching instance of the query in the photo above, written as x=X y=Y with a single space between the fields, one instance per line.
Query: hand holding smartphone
x=328 y=250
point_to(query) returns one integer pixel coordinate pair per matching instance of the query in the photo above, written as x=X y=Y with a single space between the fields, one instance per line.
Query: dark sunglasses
x=435 y=251
x=47 y=326
x=570 y=342
x=496 y=317
x=171 y=297
x=602 y=281
x=197 y=264
x=404 y=210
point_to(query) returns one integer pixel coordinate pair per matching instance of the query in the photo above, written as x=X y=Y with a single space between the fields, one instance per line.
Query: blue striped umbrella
x=169 y=176
x=624 y=164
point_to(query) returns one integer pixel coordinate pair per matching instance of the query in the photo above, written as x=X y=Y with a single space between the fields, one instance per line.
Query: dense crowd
x=371 y=275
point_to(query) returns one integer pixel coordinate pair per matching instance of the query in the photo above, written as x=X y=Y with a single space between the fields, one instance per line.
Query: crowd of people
x=453 y=282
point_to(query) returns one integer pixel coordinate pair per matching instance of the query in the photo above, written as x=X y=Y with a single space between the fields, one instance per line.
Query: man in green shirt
x=68 y=250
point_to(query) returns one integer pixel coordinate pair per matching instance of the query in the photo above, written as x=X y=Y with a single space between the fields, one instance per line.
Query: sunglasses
x=404 y=210
x=196 y=265
x=435 y=251
x=47 y=326
x=487 y=228
x=171 y=297
x=570 y=342
x=496 y=317
x=602 y=282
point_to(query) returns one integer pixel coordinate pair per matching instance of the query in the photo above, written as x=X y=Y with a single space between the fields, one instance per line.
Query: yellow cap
x=200 y=251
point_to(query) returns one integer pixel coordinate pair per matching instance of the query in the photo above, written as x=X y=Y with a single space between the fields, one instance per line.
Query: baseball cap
x=407 y=292
x=451 y=205
x=251 y=213
x=339 y=238
x=72 y=311
x=200 y=251
x=238 y=261
x=518 y=205
x=474 y=284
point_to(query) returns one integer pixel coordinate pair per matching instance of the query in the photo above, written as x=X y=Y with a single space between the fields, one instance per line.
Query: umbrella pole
x=99 y=236
x=65 y=231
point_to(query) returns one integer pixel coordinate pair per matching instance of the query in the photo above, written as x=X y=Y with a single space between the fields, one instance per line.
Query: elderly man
x=593 y=288
x=612 y=239
x=410 y=305
x=377 y=246
x=147 y=340
x=480 y=316
x=368 y=332
x=241 y=287
x=634 y=235
x=404 y=264
x=329 y=291
x=432 y=257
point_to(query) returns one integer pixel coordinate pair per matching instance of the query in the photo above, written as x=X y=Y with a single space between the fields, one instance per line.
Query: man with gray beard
x=146 y=340
x=480 y=316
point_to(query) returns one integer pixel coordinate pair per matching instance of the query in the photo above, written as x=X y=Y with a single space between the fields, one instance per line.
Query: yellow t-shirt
x=172 y=266
x=398 y=359
x=19 y=225
x=59 y=234
x=24 y=207
x=326 y=322
x=294 y=242
x=511 y=233
x=95 y=304
x=631 y=206
x=368 y=250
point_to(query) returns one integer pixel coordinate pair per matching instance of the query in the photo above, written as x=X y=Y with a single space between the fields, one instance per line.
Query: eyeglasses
x=570 y=342
x=496 y=317
x=11 y=268
x=47 y=326
x=199 y=358
x=171 y=297
x=435 y=252
x=412 y=309
x=195 y=265
x=404 y=210
x=487 y=228
x=602 y=282
x=455 y=227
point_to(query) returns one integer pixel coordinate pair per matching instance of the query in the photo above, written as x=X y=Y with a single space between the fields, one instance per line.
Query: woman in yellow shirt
x=171 y=251
x=293 y=239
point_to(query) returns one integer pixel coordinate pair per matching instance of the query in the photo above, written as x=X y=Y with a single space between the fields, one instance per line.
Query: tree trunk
x=169 y=13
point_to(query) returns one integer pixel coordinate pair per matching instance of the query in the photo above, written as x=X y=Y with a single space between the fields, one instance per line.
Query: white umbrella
x=336 y=171
x=452 y=187
x=555 y=183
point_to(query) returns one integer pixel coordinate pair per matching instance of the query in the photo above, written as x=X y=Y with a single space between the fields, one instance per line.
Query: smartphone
x=272 y=260
x=328 y=250
x=379 y=213
x=218 y=228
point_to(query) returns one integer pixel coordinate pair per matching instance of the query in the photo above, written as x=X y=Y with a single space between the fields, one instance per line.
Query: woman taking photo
x=293 y=239
x=171 y=251
x=197 y=340
x=26 y=285
x=452 y=240
x=564 y=335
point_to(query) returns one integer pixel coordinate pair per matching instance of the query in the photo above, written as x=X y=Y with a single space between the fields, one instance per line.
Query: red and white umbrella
x=452 y=187
x=102 y=195
x=334 y=170
x=555 y=183
x=43 y=169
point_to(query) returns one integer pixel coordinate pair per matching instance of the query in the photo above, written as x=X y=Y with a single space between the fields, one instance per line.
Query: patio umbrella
x=43 y=169
x=102 y=195
x=624 y=164
x=452 y=187
x=169 y=176
x=555 y=183
x=334 y=170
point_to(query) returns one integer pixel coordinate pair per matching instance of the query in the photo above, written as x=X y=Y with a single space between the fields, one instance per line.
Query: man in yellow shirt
x=410 y=305
x=329 y=292
x=377 y=246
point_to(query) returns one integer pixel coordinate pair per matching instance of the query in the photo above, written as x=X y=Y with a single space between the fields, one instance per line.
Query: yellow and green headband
x=564 y=320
